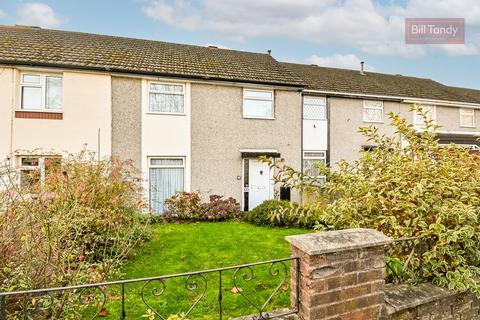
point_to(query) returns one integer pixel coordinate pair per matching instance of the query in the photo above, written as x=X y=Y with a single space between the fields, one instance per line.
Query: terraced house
x=196 y=118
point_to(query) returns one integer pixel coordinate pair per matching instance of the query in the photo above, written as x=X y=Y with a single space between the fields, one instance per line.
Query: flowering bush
x=74 y=226
x=185 y=206
x=417 y=189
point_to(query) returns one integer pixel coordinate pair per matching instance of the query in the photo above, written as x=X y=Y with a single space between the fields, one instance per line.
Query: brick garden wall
x=428 y=302
x=341 y=277
x=341 y=274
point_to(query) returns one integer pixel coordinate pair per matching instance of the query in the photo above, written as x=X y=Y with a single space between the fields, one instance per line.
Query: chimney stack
x=362 y=65
x=269 y=52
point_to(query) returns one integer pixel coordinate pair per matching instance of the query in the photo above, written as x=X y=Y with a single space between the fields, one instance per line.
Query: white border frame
x=147 y=180
x=43 y=86
x=462 y=110
x=41 y=165
x=271 y=184
x=434 y=116
x=183 y=93
x=312 y=104
x=365 y=102
x=272 y=117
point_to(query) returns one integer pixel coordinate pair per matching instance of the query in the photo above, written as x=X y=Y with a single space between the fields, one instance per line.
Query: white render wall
x=86 y=119
x=6 y=102
x=166 y=135
x=315 y=134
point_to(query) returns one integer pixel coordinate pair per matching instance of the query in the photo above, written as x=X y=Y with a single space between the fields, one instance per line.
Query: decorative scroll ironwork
x=40 y=303
x=276 y=269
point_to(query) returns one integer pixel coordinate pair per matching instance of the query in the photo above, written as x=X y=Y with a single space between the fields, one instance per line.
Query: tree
x=417 y=188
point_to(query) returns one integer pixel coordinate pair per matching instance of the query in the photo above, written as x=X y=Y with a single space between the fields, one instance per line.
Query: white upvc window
x=430 y=112
x=315 y=108
x=35 y=169
x=309 y=160
x=372 y=111
x=166 y=177
x=166 y=98
x=258 y=104
x=39 y=92
x=467 y=117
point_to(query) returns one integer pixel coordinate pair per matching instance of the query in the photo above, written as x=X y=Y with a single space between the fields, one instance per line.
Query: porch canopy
x=255 y=153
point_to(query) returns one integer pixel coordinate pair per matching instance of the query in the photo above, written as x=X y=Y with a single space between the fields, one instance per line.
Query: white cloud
x=363 y=24
x=345 y=61
x=2 y=14
x=38 y=14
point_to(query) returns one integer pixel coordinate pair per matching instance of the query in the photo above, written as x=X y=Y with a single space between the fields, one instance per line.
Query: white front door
x=260 y=184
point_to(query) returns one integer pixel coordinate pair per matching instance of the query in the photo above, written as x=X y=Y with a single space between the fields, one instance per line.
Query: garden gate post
x=341 y=274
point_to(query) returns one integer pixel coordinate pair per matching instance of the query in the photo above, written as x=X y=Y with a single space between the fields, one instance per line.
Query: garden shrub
x=423 y=190
x=282 y=213
x=77 y=226
x=187 y=206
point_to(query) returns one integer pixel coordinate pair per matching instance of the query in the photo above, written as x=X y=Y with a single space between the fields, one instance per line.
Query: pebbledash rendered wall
x=341 y=276
x=346 y=116
x=219 y=132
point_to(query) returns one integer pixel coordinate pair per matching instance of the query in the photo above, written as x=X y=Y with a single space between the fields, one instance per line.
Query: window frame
x=434 y=116
x=312 y=104
x=469 y=110
x=43 y=86
x=183 y=93
x=40 y=167
x=244 y=97
x=153 y=166
x=324 y=157
x=365 y=107
x=150 y=165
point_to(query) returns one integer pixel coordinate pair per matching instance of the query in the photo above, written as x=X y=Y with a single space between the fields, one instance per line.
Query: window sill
x=469 y=127
x=373 y=121
x=26 y=114
x=166 y=114
x=259 y=118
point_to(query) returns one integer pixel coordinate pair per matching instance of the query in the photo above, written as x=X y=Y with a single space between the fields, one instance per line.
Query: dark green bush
x=281 y=213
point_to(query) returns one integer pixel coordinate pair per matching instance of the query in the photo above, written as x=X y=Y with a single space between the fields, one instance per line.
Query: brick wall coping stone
x=406 y=296
x=336 y=241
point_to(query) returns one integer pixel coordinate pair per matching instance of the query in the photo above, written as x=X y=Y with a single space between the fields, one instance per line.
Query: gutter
x=148 y=73
x=396 y=98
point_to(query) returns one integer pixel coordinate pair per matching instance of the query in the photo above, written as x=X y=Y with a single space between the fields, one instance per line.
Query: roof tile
x=37 y=46
x=372 y=83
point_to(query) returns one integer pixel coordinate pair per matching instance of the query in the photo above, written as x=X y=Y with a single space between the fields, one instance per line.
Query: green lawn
x=177 y=248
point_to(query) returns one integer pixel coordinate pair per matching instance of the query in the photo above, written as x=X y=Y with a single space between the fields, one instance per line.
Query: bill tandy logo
x=435 y=31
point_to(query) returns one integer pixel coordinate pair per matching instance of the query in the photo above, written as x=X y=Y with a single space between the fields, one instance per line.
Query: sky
x=337 y=33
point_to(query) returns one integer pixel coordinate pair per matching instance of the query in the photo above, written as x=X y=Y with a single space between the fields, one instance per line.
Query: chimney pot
x=362 y=66
x=269 y=52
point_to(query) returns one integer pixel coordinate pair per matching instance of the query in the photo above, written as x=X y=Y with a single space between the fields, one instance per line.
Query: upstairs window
x=419 y=121
x=166 y=98
x=258 y=104
x=41 y=92
x=467 y=118
x=372 y=111
x=315 y=108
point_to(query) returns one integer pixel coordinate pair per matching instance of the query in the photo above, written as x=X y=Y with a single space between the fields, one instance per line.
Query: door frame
x=271 y=185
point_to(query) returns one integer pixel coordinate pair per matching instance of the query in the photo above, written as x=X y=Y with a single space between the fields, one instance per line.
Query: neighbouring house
x=195 y=118
x=354 y=98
